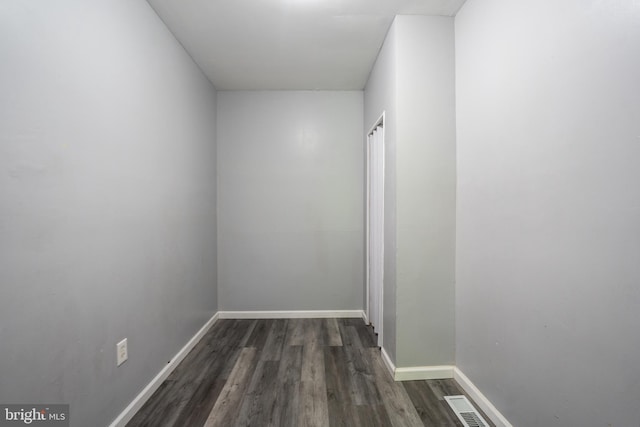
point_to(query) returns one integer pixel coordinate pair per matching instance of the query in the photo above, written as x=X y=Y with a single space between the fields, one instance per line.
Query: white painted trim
x=476 y=395
x=416 y=372
x=135 y=405
x=379 y=122
x=290 y=314
x=365 y=318
x=387 y=361
x=424 y=373
x=367 y=236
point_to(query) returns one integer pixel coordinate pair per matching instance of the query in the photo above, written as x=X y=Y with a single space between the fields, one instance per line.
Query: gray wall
x=425 y=190
x=413 y=81
x=548 y=209
x=379 y=96
x=107 y=202
x=290 y=180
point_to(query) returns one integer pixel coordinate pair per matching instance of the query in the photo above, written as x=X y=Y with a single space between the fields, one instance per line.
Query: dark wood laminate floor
x=293 y=372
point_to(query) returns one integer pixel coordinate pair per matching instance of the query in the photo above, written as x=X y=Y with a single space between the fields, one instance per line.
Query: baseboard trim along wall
x=413 y=373
x=365 y=318
x=387 y=362
x=290 y=314
x=135 y=405
x=496 y=417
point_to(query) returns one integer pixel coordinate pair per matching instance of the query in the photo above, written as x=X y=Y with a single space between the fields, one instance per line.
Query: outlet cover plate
x=122 y=353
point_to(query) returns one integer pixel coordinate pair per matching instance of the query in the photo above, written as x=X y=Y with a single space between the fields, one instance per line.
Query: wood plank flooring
x=293 y=372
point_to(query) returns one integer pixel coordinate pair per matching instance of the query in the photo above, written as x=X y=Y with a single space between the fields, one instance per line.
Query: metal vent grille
x=465 y=411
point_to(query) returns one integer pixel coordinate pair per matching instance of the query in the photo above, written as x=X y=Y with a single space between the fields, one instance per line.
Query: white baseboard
x=387 y=362
x=414 y=373
x=135 y=405
x=290 y=314
x=498 y=419
x=365 y=318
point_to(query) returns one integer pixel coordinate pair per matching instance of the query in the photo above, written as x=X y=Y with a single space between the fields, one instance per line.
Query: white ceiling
x=288 y=44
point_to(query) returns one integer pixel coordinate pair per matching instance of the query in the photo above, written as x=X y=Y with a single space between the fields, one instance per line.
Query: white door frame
x=379 y=328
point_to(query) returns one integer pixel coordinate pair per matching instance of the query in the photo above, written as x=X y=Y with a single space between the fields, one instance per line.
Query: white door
x=375 y=226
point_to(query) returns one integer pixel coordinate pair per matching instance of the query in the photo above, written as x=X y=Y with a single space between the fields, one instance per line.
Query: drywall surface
x=548 y=208
x=379 y=97
x=290 y=219
x=107 y=202
x=413 y=82
x=425 y=190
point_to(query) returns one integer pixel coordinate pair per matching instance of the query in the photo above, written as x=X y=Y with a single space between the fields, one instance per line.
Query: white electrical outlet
x=121 y=349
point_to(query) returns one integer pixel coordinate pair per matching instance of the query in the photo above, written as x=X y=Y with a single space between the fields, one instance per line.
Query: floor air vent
x=465 y=411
